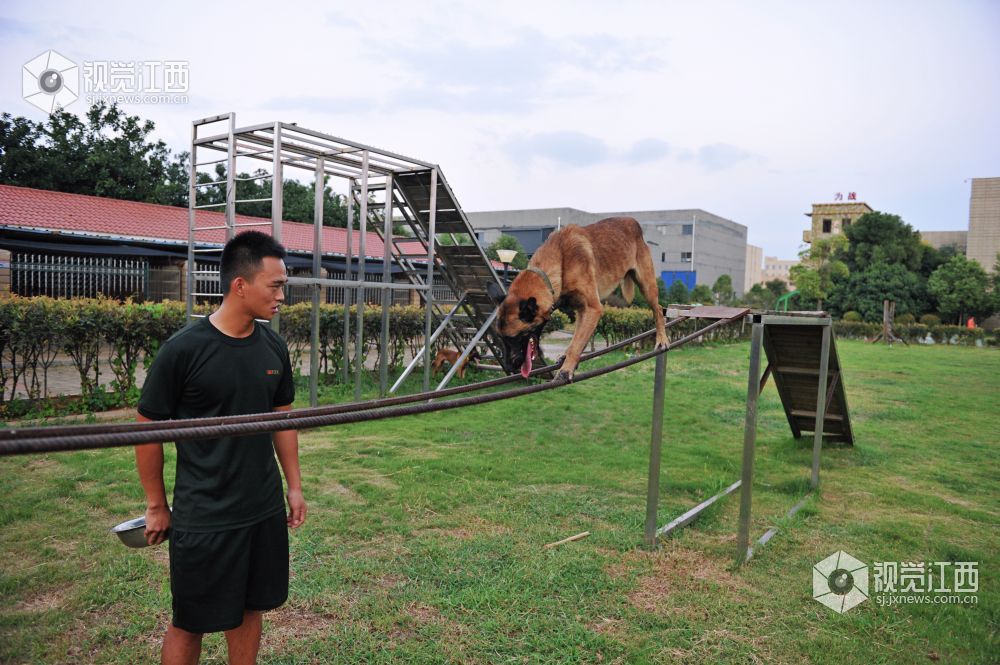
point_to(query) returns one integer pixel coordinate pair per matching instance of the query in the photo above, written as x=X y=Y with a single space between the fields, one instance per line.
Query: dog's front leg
x=585 y=327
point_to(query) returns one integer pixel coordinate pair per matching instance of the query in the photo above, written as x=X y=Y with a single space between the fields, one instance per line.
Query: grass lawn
x=425 y=537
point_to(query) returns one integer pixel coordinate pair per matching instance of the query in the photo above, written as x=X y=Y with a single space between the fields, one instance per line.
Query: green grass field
x=425 y=537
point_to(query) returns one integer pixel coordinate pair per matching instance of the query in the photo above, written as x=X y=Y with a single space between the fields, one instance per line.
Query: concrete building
x=775 y=268
x=984 y=222
x=830 y=219
x=693 y=246
x=939 y=239
x=754 y=271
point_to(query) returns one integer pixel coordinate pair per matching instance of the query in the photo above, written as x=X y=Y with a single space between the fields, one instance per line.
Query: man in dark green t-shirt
x=228 y=527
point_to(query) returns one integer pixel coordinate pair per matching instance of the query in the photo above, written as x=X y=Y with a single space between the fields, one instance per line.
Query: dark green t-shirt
x=228 y=482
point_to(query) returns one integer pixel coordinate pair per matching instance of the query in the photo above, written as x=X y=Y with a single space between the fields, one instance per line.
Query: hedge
x=34 y=330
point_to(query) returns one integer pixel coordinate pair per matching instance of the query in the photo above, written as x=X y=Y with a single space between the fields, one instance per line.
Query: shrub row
x=919 y=333
x=620 y=323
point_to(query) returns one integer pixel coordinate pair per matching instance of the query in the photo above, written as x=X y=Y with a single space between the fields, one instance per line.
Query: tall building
x=775 y=268
x=830 y=219
x=754 y=273
x=692 y=246
x=984 y=222
x=939 y=239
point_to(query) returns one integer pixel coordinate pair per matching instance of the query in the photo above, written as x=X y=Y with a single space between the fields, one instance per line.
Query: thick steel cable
x=131 y=438
x=73 y=430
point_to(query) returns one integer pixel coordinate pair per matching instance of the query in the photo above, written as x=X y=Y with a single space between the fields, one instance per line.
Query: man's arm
x=286 y=445
x=149 y=462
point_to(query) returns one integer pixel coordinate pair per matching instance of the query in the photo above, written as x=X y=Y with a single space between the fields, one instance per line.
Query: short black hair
x=242 y=256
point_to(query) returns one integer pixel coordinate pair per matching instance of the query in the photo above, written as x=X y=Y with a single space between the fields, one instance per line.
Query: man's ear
x=237 y=285
x=495 y=293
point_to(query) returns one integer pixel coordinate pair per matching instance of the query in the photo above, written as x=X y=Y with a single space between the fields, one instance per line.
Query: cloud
x=329 y=105
x=565 y=147
x=718 y=156
x=647 y=150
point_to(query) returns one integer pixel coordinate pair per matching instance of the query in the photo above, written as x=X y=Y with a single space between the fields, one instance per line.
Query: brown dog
x=577 y=267
x=451 y=356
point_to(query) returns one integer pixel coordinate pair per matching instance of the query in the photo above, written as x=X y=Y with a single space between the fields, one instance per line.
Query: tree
x=508 y=242
x=777 y=286
x=723 y=288
x=865 y=290
x=105 y=153
x=702 y=294
x=878 y=237
x=961 y=288
x=678 y=293
x=819 y=269
x=760 y=297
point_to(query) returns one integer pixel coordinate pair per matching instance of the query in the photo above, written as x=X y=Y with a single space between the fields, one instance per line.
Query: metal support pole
x=363 y=275
x=824 y=362
x=276 y=203
x=316 y=267
x=749 y=441
x=437 y=332
x=231 y=180
x=192 y=202
x=383 y=378
x=429 y=299
x=468 y=349
x=655 y=444
x=348 y=271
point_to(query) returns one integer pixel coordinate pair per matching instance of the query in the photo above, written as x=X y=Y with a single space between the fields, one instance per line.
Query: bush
x=905 y=319
x=930 y=320
x=855 y=329
x=852 y=316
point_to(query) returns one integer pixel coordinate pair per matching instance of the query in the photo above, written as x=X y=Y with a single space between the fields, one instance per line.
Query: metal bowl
x=133 y=532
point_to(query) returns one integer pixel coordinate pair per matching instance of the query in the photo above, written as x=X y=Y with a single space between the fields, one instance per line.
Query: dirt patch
x=474 y=527
x=44 y=601
x=294 y=622
x=674 y=570
x=345 y=493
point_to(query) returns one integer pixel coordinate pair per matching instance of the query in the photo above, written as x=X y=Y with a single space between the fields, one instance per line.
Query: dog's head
x=522 y=315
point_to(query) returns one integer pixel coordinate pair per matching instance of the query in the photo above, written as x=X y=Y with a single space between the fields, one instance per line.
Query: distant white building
x=754 y=272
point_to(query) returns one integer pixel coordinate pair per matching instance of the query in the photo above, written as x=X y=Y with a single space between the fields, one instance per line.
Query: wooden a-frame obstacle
x=802 y=359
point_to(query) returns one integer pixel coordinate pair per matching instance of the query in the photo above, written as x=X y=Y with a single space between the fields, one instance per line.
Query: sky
x=752 y=111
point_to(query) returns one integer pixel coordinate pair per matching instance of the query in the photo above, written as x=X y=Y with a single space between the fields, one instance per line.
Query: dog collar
x=545 y=278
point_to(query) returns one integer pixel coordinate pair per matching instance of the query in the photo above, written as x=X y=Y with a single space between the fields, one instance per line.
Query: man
x=228 y=529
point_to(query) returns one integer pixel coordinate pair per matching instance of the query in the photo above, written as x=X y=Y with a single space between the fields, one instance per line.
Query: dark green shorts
x=214 y=577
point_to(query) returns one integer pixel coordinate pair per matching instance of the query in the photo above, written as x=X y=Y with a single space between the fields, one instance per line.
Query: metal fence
x=78 y=276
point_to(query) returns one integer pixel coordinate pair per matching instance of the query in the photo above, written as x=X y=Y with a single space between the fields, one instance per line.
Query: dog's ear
x=495 y=293
x=528 y=310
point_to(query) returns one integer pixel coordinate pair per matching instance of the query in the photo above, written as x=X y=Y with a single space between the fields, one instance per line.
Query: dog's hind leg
x=647 y=282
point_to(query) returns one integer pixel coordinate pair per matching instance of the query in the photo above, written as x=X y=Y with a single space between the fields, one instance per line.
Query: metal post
x=383 y=379
x=433 y=337
x=653 y=485
x=316 y=267
x=348 y=271
x=276 y=203
x=749 y=441
x=824 y=362
x=429 y=299
x=192 y=202
x=362 y=276
x=231 y=180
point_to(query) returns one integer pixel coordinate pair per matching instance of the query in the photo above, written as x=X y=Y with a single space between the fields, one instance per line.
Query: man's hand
x=296 y=508
x=157 y=524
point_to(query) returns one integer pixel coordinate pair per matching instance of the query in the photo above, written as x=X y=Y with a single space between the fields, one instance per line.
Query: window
x=663 y=257
x=827 y=225
x=685 y=257
x=687 y=229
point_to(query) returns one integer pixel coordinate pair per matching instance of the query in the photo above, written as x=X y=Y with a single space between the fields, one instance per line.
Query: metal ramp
x=795 y=344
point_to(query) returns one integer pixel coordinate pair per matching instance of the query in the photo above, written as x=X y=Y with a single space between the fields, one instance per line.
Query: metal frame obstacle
x=799 y=346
